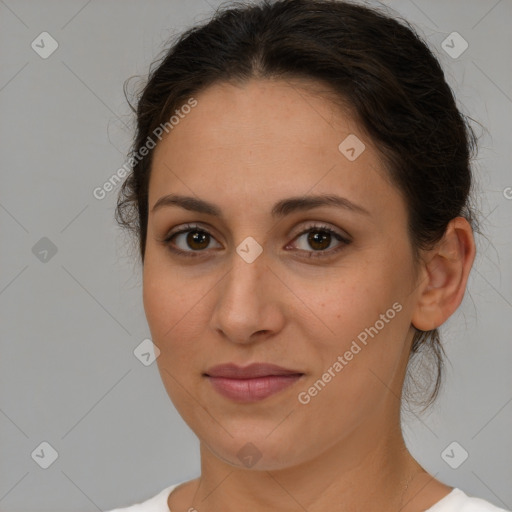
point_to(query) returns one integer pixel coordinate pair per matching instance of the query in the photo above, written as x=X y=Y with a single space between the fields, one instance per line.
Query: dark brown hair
x=371 y=61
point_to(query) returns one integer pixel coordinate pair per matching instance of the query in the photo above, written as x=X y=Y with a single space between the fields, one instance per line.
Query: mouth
x=251 y=383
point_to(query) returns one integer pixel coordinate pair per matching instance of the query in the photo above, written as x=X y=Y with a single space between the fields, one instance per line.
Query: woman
x=300 y=197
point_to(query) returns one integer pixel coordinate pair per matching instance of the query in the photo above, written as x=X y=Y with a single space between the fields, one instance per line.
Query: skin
x=244 y=147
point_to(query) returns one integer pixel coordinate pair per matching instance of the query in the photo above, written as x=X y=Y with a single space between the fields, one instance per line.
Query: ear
x=445 y=274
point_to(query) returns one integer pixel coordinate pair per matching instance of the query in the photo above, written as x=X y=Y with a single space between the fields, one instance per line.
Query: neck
x=371 y=469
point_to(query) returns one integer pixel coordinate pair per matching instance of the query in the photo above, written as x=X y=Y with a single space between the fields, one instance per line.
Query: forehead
x=266 y=140
x=270 y=113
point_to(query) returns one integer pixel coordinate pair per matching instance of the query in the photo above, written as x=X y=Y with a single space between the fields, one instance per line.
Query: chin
x=259 y=452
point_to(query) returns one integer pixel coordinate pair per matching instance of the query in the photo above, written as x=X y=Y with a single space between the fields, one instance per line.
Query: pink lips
x=251 y=383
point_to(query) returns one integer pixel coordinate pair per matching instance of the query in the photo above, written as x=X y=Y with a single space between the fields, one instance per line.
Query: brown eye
x=192 y=239
x=197 y=239
x=319 y=239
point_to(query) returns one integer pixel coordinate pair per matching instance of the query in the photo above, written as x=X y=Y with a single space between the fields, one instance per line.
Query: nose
x=247 y=307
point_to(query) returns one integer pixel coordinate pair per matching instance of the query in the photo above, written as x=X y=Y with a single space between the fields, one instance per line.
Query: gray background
x=70 y=324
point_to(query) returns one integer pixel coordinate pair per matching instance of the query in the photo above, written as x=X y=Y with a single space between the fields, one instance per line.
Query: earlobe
x=446 y=272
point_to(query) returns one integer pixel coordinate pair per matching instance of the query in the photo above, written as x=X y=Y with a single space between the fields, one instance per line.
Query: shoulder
x=157 y=503
x=458 y=501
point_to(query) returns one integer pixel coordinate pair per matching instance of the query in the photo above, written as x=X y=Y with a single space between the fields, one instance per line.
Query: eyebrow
x=280 y=209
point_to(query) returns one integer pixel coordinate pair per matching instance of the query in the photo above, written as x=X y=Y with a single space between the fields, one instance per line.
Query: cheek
x=365 y=336
x=353 y=299
x=156 y=296
x=357 y=366
x=162 y=305
x=175 y=304
x=175 y=316
x=364 y=308
x=165 y=293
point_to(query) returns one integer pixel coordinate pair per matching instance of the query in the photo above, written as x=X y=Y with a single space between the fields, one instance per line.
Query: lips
x=232 y=371
x=251 y=383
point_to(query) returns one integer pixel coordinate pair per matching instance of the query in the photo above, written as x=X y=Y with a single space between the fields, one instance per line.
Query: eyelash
x=312 y=254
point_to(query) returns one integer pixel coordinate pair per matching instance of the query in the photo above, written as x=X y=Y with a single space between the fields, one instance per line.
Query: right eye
x=191 y=236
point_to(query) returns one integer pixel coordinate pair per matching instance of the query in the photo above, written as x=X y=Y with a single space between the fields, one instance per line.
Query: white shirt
x=455 y=501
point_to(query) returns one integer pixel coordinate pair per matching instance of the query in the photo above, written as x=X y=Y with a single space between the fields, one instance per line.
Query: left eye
x=319 y=238
x=196 y=238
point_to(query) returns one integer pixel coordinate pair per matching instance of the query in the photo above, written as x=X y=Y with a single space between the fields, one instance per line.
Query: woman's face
x=332 y=308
